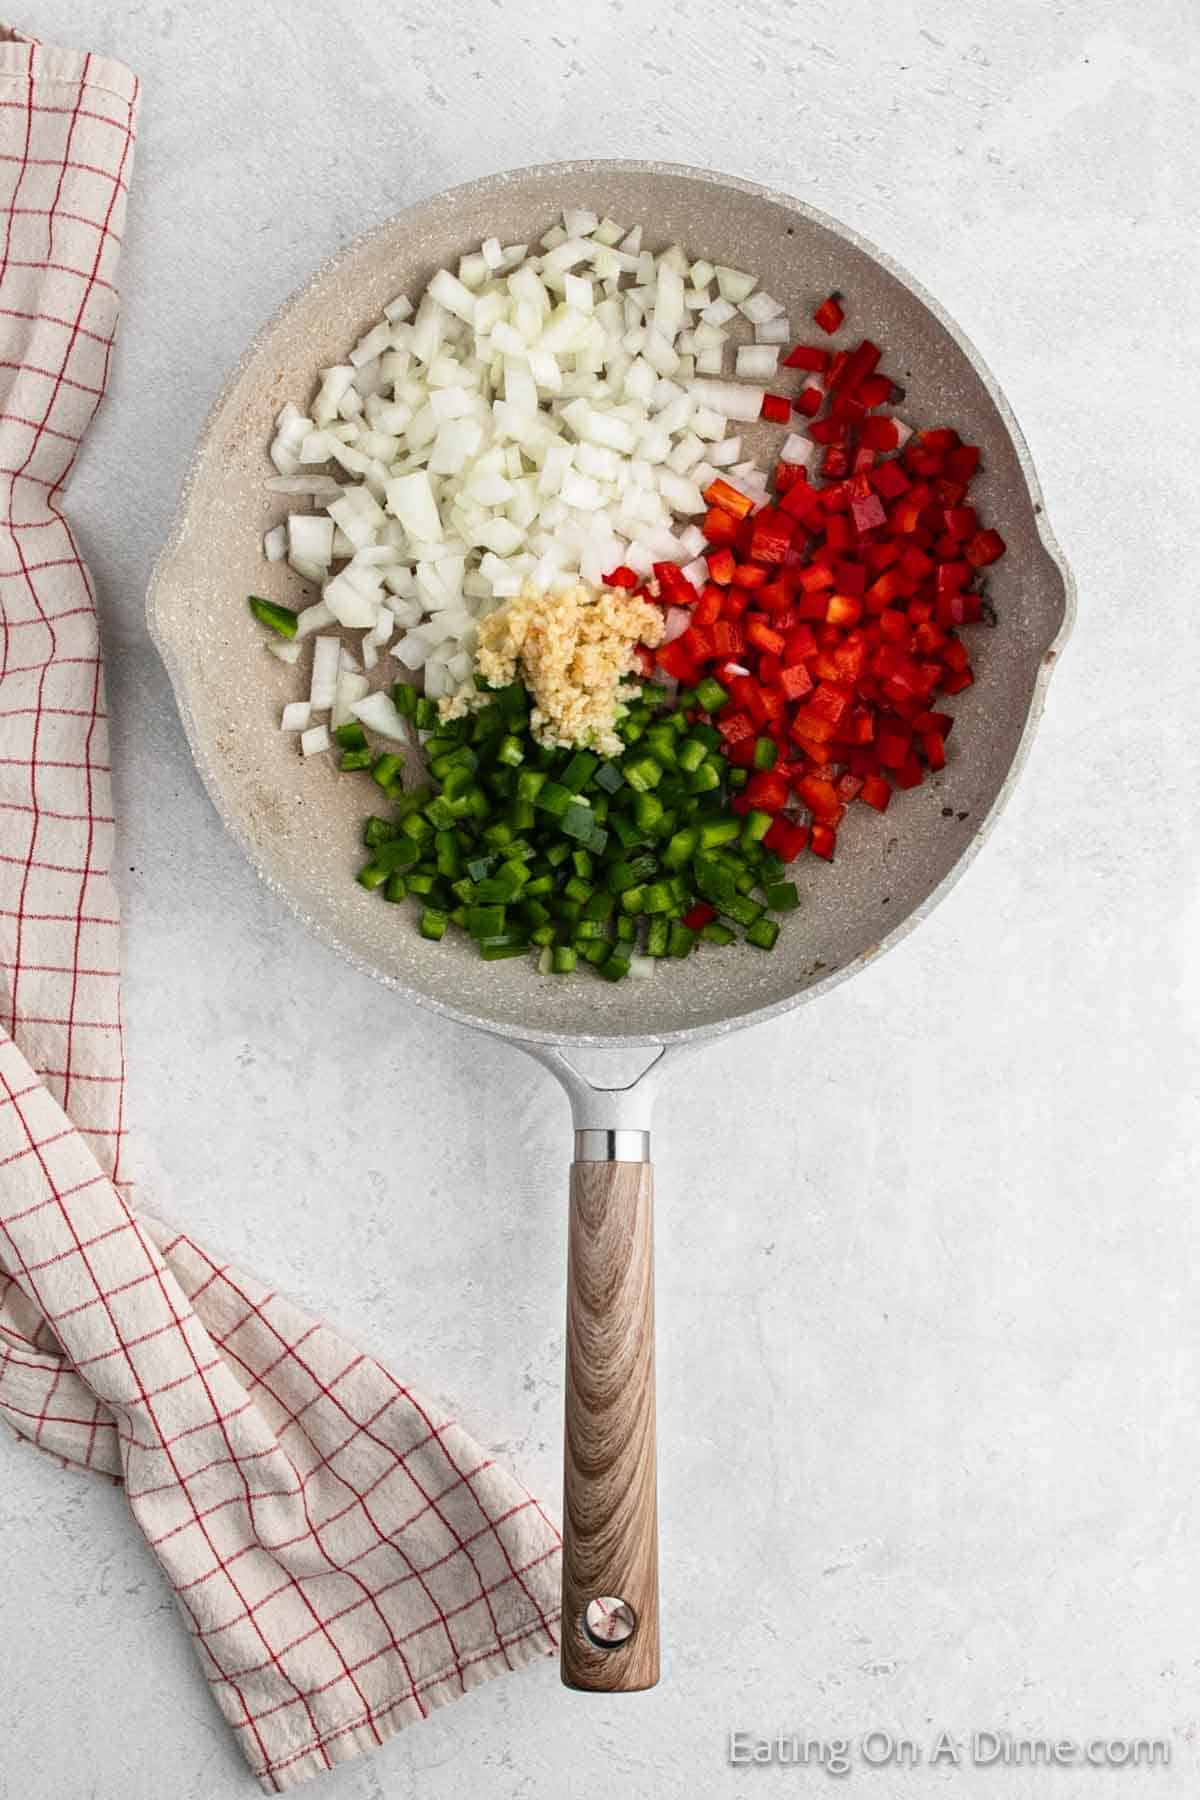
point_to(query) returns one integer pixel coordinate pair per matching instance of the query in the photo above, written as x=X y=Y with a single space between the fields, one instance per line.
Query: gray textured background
x=929 y=1353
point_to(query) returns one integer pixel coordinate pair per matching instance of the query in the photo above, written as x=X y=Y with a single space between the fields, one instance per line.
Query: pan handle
x=610 y=1624
x=610 y=1510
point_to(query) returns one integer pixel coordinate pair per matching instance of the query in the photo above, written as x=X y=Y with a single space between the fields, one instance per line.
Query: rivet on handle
x=609 y=1622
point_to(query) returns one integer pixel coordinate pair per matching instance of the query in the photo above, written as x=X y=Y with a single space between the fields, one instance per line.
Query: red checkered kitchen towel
x=345 y=1558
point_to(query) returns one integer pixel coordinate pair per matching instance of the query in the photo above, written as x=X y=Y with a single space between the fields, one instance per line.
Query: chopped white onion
x=728 y=399
x=314 y=740
x=799 y=450
x=325 y=669
x=758 y=361
x=296 y=716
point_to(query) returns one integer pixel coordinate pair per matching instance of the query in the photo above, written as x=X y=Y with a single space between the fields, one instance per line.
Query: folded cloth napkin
x=346 y=1558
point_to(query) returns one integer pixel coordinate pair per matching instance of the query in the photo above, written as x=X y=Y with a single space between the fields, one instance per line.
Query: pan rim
x=480 y=187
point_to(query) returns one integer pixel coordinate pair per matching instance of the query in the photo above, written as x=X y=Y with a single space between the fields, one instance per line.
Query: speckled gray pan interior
x=299 y=822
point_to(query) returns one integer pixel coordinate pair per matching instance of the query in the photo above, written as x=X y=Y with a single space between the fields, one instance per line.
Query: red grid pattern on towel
x=347 y=1559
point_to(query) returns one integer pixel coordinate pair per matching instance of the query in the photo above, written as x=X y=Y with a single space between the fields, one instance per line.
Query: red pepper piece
x=889 y=480
x=735 y=727
x=786 y=840
x=942 y=437
x=621 y=577
x=962 y=462
x=935 y=750
x=775 y=597
x=776 y=408
x=675 y=662
x=823 y=841
x=700 y=915
x=878 y=390
x=677 y=590
x=807 y=356
x=727 y=638
x=767 y=791
x=876 y=791
x=850 y=577
x=720 y=565
x=729 y=499
x=858 y=365
x=749 y=575
x=829 y=315
x=955 y=682
x=835 y=464
x=868 y=514
x=984 y=548
x=808 y=401
x=720 y=527
x=879 y=434
x=960 y=521
x=828 y=431
x=794 y=682
x=772 y=535
x=843 y=610
x=892 y=743
x=820 y=797
x=707 y=609
x=910 y=774
x=760 y=634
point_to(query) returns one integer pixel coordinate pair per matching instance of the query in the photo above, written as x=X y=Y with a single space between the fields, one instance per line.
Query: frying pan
x=608 y=1044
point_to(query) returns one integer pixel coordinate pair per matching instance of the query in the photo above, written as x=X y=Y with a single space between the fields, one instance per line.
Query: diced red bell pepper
x=772 y=535
x=879 y=434
x=760 y=634
x=858 y=365
x=892 y=744
x=674 y=661
x=962 y=462
x=850 y=577
x=829 y=315
x=961 y=522
x=707 y=609
x=720 y=565
x=795 y=682
x=735 y=727
x=807 y=356
x=934 y=747
x=876 y=791
x=821 y=798
x=843 y=610
x=940 y=437
x=808 y=401
x=823 y=841
x=910 y=774
x=621 y=577
x=889 y=479
x=729 y=499
x=868 y=513
x=877 y=390
x=676 y=589
x=984 y=548
x=767 y=791
x=957 y=680
x=720 y=527
x=828 y=431
x=786 y=840
x=699 y=915
x=776 y=409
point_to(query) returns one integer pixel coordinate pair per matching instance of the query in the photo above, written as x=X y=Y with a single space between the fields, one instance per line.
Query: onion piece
x=315 y=740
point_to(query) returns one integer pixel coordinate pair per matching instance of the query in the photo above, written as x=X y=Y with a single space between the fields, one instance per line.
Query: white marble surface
x=930 y=1352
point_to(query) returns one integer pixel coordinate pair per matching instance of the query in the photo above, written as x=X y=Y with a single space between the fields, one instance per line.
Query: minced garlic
x=574 y=652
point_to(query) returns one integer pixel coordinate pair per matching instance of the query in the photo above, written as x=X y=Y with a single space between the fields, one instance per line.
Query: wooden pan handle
x=610 y=1525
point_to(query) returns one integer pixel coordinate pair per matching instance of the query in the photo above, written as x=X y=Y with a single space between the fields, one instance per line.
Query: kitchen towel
x=346 y=1558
